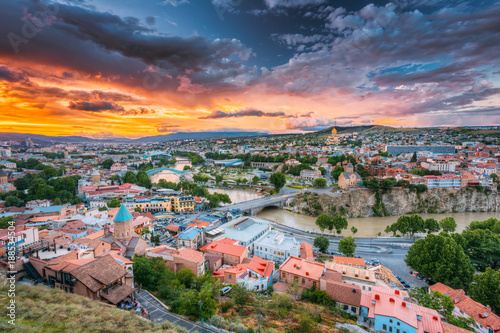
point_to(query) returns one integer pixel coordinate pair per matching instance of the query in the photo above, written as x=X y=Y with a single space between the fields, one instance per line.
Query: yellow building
x=154 y=205
x=182 y=204
x=333 y=139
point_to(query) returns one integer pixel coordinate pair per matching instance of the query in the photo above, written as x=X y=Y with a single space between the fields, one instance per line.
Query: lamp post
x=259 y=317
x=200 y=303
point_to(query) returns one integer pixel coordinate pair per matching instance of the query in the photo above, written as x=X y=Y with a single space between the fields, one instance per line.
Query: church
x=333 y=139
x=124 y=237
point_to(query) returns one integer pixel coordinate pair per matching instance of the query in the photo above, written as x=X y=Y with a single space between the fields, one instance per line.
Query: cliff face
x=399 y=202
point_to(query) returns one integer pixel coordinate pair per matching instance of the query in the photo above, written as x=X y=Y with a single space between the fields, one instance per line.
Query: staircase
x=33 y=273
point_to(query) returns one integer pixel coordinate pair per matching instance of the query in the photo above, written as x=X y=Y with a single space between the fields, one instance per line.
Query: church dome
x=123 y=215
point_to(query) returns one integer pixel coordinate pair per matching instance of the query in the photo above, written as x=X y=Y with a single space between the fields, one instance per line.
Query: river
x=367 y=226
x=169 y=175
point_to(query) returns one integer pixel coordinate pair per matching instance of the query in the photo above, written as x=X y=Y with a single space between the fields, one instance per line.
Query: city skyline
x=117 y=68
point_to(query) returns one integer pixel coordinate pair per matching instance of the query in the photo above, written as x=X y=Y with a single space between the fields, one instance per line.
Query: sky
x=128 y=68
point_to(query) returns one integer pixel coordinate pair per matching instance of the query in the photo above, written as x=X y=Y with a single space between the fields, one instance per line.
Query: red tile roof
x=349 y=261
x=306 y=251
x=225 y=247
x=469 y=306
x=302 y=267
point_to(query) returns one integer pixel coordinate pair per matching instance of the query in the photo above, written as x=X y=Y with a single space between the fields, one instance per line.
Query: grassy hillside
x=40 y=309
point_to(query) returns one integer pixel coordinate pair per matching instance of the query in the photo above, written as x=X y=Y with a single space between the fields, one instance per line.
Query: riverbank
x=399 y=201
x=367 y=226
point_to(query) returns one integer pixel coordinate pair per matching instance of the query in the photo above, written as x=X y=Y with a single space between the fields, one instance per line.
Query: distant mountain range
x=46 y=139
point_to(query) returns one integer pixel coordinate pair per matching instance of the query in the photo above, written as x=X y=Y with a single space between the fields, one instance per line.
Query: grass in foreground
x=40 y=309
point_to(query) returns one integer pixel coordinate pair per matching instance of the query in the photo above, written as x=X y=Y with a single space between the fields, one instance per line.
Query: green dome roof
x=123 y=215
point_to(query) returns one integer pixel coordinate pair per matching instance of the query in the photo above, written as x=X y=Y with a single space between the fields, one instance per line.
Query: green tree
x=486 y=289
x=431 y=257
x=4 y=222
x=354 y=230
x=431 y=225
x=324 y=221
x=339 y=223
x=103 y=208
x=57 y=202
x=322 y=243
x=186 y=277
x=12 y=201
x=433 y=300
x=218 y=179
x=255 y=180
x=186 y=167
x=107 y=163
x=65 y=184
x=336 y=172
x=320 y=182
x=240 y=294
x=483 y=248
x=143 y=179
x=416 y=224
x=347 y=246
x=278 y=180
x=138 y=209
x=323 y=170
x=113 y=203
x=145 y=231
x=129 y=177
x=414 y=157
x=448 y=224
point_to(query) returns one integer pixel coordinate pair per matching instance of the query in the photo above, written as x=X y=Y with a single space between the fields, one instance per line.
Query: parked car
x=226 y=290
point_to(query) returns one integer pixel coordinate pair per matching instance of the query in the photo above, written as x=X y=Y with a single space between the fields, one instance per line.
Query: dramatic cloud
x=96 y=106
x=6 y=74
x=216 y=114
x=293 y=3
x=314 y=124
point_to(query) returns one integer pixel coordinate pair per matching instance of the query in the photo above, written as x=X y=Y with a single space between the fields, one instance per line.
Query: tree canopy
x=322 y=243
x=347 y=246
x=442 y=259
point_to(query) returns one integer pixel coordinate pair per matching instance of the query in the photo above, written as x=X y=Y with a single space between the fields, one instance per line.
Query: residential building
x=255 y=273
x=385 y=310
x=487 y=321
x=192 y=237
x=310 y=174
x=182 y=204
x=102 y=279
x=177 y=259
x=305 y=272
x=275 y=246
x=246 y=230
x=37 y=203
x=231 y=253
x=154 y=205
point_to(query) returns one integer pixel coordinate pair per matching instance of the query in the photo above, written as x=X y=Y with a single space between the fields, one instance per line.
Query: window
x=390 y=320
x=399 y=323
x=390 y=329
x=384 y=327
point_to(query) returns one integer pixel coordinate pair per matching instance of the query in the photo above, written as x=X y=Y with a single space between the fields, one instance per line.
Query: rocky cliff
x=398 y=201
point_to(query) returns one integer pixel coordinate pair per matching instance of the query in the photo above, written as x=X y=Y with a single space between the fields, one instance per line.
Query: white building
x=275 y=246
x=246 y=230
x=310 y=174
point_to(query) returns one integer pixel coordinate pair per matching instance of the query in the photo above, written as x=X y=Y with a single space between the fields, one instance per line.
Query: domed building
x=124 y=237
x=333 y=139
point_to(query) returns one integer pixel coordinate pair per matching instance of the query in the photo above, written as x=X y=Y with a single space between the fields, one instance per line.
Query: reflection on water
x=367 y=226
x=237 y=195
